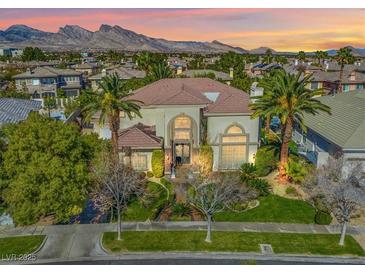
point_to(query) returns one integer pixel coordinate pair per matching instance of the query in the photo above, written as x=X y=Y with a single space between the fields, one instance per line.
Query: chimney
x=256 y=91
x=179 y=70
x=103 y=72
x=327 y=66
x=295 y=62
x=353 y=75
x=231 y=72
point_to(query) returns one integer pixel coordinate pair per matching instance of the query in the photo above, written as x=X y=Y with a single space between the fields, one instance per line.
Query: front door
x=182 y=154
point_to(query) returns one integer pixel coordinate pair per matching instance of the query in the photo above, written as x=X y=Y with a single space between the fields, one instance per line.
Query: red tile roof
x=139 y=136
x=190 y=91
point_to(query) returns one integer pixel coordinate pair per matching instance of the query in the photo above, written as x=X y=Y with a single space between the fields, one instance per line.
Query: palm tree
x=268 y=56
x=110 y=100
x=260 y=108
x=160 y=71
x=301 y=56
x=289 y=99
x=344 y=57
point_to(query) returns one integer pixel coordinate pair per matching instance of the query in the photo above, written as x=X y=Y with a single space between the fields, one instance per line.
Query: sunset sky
x=280 y=29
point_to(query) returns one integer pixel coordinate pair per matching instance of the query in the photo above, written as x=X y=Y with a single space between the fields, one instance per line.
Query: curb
x=101 y=244
x=40 y=246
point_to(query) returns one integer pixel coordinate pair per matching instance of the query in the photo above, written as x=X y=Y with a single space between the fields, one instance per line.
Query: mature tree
x=321 y=56
x=116 y=185
x=160 y=71
x=264 y=110
x=301 y=56
x=341 y=186
x=33 y=54
x=110 y=100
x=289 y=99
x=242 y=81
x=45 y=169
x=280 y=59
x=344 y=57
x=216 y=192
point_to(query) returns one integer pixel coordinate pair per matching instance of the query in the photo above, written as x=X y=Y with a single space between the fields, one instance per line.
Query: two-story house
x=180 y=114
x=45 y=81
x=122 y=72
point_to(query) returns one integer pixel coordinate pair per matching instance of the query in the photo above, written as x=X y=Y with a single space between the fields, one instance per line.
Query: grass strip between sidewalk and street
x=291 y=243
x=20 y=245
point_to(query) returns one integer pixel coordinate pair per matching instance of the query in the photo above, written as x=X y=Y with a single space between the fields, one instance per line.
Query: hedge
x=206 y=159
x=266 y=160
x=158 y=158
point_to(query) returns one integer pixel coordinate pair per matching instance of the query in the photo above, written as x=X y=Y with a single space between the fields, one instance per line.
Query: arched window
x=233 y=147
x=182 y=128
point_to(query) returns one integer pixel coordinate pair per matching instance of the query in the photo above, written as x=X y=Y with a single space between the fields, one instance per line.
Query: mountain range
x=106 y=37
x=73 y=37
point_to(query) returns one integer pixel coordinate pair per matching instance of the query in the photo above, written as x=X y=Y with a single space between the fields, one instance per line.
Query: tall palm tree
x=343 y=57
x=289 y=99
x=268 y=56
x=261 y=109
x=110 y=100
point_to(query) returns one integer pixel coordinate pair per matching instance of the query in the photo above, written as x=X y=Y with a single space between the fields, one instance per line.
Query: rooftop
x=139 y=136
x=122 y=72
x=193 y=91
x=346 y=126
x=14 y=110
x=46 y=72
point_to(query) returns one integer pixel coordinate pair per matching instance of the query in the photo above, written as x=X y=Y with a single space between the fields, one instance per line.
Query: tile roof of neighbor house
x=139 y=136
x=46 y=72
x=346 y=126
x=218 y=74
x=14 y=110
x=123 y=73
x=332 y=76
x=193 y=91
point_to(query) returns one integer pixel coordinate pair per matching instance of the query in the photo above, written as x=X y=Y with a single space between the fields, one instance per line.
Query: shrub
x=158 y=158
x=322 y=218
x=261 y=185
x=181 y=210
x=149 y=174
x=142 y=175
x=293 y=147
x=205 y=159
x=247 y=171
x=265 y=161
x=290 y=190
x=297 y=168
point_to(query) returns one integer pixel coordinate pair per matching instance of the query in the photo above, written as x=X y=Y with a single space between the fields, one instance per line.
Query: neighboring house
x=259 y=69
x=44 y=81
x=329 y=80
x=88 y=69
x=218 y=75
x=14 y=110
x=122 y=72
x=180 y=114
x=11 y=52
x=343 y=132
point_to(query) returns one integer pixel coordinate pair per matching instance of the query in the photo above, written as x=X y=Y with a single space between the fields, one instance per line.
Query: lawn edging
x=41 y=245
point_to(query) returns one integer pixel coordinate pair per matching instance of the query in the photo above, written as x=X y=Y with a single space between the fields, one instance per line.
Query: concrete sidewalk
x=82 y=240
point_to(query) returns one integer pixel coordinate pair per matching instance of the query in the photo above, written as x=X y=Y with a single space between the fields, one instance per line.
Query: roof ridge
x=140 y=130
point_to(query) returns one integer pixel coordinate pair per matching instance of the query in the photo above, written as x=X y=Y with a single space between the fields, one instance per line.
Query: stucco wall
x=217 y=125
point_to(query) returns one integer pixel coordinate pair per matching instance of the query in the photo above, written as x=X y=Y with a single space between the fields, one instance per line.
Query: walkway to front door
x=182 y=153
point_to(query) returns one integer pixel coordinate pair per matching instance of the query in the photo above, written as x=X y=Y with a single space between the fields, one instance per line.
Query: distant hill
x=107 y=37
x=355 y=51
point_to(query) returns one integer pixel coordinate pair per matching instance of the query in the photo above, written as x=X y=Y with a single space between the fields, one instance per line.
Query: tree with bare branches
x=116 y=184
x=216 y=192
x=341 y=186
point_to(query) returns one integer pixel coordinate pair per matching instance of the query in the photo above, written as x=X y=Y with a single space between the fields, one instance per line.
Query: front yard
x=19 y=245
x=157 y=241
x=274 y=209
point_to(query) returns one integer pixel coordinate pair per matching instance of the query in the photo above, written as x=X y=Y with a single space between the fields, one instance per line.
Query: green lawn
x=152 y=241
x=273 y=208
x=20 y=245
